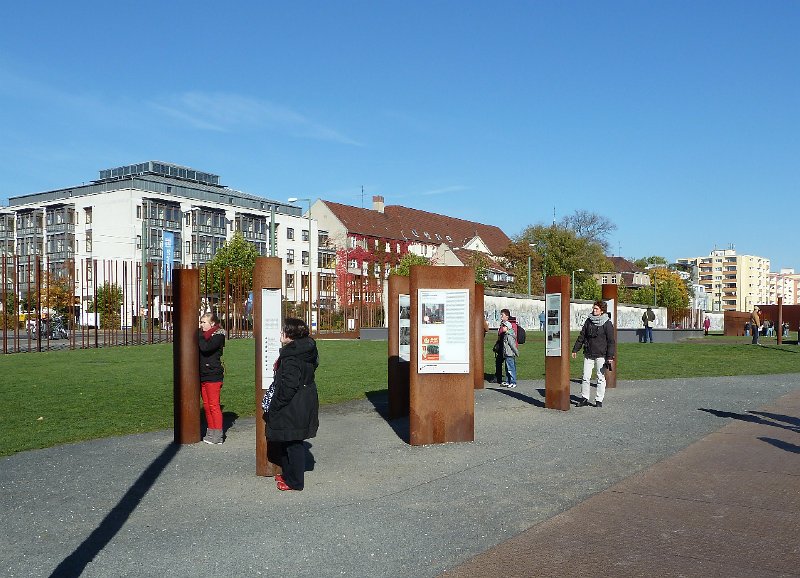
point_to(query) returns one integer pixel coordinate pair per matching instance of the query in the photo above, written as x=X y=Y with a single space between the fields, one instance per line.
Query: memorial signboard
x=443 y=331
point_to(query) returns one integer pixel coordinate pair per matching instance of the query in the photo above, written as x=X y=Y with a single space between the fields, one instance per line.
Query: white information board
x=443 y=331
x=553 y=325
x=271 y=324
x=404 y=327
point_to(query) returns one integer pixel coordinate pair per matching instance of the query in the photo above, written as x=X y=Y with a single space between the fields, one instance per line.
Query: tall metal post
x=186 y=356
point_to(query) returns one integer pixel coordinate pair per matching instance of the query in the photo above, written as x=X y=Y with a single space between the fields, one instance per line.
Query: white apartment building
x=784 y=284
x=732 y=282
x=129 y=212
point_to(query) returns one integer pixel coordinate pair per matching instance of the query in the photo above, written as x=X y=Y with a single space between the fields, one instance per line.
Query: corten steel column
x=441 y=405
x=398 y=368
x=478 y=337
x=556 y=368
x=779 y=327
x=186 y=357
x=266 y=275
x=610 y=291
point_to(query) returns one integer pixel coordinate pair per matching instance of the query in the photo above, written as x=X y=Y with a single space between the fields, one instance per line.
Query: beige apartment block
x=734 y=282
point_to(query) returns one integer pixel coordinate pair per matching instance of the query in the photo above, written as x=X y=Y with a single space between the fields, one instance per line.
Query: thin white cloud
x=444 y=190
x=227 y=112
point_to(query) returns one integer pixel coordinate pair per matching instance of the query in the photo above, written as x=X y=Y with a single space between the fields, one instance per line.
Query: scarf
x=207 y=334
x=599 y=320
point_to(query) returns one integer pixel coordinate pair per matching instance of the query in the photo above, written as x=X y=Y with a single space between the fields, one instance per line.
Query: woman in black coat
x=211 y=341
x=293 y=414
x=599 y=349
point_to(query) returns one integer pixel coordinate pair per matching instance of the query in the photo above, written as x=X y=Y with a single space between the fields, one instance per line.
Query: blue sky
x=679 y=120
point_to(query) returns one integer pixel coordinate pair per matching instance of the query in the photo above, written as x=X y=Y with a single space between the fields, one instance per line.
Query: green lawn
x=67 y=396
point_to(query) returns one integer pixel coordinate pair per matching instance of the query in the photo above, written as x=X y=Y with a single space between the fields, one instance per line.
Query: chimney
x=377 y=203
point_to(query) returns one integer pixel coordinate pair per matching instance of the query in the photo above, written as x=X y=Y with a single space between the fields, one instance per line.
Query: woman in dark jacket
x=211 y=341
x=293 y=415
x=599 y=349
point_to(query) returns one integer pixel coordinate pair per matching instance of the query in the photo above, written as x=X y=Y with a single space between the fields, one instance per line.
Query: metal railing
x=106 y=303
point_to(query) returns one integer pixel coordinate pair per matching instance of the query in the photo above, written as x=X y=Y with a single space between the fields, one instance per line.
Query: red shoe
x=283 y=486
x=278 y=478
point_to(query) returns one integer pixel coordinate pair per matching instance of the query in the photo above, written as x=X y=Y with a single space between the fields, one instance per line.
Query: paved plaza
x=689 y=477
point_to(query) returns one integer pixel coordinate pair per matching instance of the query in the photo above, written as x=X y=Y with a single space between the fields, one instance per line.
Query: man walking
x=541 y=321
x=506 y=351
x=755 y=324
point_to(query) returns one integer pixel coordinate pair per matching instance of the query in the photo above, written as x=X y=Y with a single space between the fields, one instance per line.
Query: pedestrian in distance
x=599 y=349
x=541 y=321
x=212 y=372
x=506 y=351
x=755 y=324
x=293 y=414
x=706 y=324
x=649 y=319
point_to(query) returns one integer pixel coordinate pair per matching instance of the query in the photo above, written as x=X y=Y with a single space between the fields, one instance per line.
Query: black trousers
x=293 y=463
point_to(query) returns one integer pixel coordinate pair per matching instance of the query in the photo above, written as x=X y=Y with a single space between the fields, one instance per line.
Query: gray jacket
x=509 y=340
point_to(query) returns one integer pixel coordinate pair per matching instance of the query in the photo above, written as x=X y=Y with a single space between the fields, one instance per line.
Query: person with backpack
x=599 y=349
x=506 y=351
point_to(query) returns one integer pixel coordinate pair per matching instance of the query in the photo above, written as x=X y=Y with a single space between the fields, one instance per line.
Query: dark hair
x=212 y=317
x=294 y=328
x=602 y=305
x=506 y=311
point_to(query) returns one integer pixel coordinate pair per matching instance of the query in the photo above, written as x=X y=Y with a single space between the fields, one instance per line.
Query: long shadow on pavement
x=756 y=419
x=780 y=444
x=75 y=563
x=518 y=395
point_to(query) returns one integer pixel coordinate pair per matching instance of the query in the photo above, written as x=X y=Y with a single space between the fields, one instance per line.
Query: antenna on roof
x=362 y=196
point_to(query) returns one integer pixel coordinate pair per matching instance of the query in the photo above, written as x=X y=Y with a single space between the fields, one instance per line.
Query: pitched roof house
x=624 y=273
x=372 y=240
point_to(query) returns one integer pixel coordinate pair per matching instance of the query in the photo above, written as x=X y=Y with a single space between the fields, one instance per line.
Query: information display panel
x=553 y=327
x=443 y=331
x=270 y=333
x=404 y=327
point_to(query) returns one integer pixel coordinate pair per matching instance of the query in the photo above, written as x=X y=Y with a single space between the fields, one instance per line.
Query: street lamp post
x=310 y=267
x=532 y=246
x=573 y=282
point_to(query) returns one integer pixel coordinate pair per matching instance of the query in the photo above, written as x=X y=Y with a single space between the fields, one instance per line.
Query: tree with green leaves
x=645 y=262
x=554 y=250
x=480 y=263
x=403 y=268
x=107 y=303
x=588 y=289
x=237 y=253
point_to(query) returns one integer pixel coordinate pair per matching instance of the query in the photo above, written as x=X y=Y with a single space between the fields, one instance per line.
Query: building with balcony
x=129 y=213
x=784 y=284
x=732 y=282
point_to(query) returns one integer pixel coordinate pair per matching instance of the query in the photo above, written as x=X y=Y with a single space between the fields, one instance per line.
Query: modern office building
x=732 y=282
x=134 y=212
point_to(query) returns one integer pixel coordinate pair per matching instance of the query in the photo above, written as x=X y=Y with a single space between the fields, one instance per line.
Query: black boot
x=583 y=402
